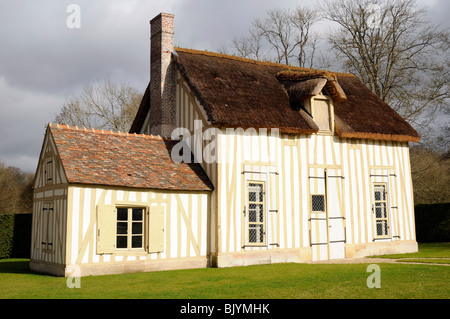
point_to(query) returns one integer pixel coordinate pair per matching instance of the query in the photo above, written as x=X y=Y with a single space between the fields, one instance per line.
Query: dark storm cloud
x=208 y=25
x=42 y=61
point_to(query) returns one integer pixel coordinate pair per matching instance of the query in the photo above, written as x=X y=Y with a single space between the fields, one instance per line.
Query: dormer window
x=315 y=92
x=320 y=107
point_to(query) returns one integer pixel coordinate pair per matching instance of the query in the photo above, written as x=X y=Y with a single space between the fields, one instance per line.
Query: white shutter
x=106 y=229
x=156 y=229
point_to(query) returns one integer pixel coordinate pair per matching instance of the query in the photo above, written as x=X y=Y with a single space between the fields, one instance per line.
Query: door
x=327 y=227
x=318 y=214
x=336 y=220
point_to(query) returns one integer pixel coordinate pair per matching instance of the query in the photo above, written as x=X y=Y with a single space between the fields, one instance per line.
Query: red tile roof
x=120 y=159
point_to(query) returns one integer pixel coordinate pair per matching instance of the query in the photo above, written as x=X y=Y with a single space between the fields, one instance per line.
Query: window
x=256 y=216
x=320 y=107
x=318 y=203
x=48 y=170
x=380 y=210
x=321 y=113
x=130 y=228
x=47 y=227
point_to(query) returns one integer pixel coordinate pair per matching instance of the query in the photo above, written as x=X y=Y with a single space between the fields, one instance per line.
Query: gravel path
x=372 y=261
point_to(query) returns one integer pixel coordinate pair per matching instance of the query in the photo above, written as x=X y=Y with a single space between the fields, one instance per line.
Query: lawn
x=278 y=281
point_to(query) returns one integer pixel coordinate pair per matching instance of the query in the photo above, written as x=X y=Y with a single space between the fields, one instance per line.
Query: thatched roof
x=301 y=85
x=238 y=92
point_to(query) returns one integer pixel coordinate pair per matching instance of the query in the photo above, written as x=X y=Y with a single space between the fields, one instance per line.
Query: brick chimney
x=162 y=115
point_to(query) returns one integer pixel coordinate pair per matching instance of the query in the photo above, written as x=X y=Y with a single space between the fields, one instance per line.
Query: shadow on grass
x=15 y=267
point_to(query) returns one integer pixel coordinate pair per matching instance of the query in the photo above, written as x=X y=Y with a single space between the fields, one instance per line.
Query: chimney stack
x=162 y=115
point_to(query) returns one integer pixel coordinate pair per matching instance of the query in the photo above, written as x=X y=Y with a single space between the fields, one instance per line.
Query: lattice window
x=318 y=203
x=256 y=216
x=380 y=210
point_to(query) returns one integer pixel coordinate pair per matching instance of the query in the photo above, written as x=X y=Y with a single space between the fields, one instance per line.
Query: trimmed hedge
x=432 y=223
x=6 y=235
x=15 y=235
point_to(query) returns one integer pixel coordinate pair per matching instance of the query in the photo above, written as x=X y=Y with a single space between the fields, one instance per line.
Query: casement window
x=130 y=228
x=256 y=213
x=47 y=227
x=380 y=210
x=48 y=170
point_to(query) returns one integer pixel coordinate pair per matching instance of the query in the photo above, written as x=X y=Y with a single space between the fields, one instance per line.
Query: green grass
x=433 y=253
x=286 y=281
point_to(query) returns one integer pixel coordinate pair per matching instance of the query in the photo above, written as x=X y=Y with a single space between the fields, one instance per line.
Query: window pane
x=136 y=242
x=122 y=214
x=136 y=228
x=255 y=233
x=318 y=203
x=122 y=228
x=379 y=191
x=261 y=213
x=380 y=210
x=382 y=229
x=137 y=214
x=252 y=214
x=121 y=242
x=255 y=192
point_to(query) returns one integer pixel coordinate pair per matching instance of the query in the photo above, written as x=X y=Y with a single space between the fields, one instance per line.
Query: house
x=229 y=162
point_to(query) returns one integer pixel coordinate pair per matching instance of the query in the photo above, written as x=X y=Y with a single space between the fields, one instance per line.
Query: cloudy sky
x=42 y=61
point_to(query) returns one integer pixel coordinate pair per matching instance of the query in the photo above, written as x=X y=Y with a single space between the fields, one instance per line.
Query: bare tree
x=277 y=29
x=104 y=105
x=284 y=33
x=249 y=46
x=395 y=50
x=303 y=19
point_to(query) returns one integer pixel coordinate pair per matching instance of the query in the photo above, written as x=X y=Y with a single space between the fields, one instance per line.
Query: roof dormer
x=316 y=93
x=321 y=108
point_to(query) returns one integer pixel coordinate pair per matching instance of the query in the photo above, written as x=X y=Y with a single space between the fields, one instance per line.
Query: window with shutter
x=156 y=229
x=256 y=214
x=106 y=229
x=380 y=210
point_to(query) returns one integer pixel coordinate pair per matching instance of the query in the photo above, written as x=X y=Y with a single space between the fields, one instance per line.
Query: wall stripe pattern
x=186 y=219
x=289 y=191
x=285 y=163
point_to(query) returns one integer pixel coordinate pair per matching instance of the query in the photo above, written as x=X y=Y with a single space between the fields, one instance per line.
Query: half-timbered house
x=285 y=164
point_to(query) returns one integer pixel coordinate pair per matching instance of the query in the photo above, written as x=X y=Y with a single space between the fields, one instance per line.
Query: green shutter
x=106 y=229
x=156 y=229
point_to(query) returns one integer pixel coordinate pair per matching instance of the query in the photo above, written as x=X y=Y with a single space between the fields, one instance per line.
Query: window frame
x=310 y=108
x=248 y=223
x=386 y=206
x=129 y=233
